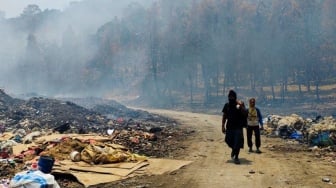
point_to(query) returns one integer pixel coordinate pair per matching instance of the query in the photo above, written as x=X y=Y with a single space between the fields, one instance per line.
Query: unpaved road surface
x=212 y=166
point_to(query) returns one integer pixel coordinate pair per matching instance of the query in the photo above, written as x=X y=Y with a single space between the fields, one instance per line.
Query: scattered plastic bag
x=322 y=139
x=297 y=135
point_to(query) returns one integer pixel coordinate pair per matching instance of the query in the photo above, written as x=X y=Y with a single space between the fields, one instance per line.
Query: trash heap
x=107 y=132
x=320 y=131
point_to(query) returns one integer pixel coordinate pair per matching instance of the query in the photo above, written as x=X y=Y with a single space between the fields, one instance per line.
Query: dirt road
x=213 y=167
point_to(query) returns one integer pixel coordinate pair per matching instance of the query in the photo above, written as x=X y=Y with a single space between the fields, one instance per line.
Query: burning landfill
x=66 y=131
x=89 y=140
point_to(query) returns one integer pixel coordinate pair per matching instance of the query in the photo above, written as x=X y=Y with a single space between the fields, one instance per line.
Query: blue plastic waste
x=296 y=135
x=322 y=139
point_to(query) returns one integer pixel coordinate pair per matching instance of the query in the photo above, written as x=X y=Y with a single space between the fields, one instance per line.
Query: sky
x=14 y=8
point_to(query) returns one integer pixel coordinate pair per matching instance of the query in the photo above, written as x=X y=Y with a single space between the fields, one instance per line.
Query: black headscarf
x=232 y=97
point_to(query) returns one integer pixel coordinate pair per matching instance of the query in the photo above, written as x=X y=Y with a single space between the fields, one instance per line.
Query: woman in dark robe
x=234 y=119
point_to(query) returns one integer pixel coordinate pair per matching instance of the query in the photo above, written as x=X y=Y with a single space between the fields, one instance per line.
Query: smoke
x=47 y=54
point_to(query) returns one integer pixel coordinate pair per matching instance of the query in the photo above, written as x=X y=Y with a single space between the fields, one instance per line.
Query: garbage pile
x=45 y=113
x=320 y=131
x=36 y=126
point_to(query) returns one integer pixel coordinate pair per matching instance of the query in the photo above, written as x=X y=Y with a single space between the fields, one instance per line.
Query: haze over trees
x=172 y=51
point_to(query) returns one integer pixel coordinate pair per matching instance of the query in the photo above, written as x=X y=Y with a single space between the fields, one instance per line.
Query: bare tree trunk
x=191 y=88
x=317 y=91
x=217 y=81
x=252 y=82
x=300 y=89
x=308 y=86
x=273 y=92
x=282 y=92
x=225 y=84
x=285 y=86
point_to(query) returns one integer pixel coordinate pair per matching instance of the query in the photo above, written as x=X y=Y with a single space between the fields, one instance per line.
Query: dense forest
x=171 y=51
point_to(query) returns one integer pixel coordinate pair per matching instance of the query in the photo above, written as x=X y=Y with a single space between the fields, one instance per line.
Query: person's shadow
x=243 y=161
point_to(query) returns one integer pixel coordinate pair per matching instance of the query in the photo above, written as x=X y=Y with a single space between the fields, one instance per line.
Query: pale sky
x=14 y=8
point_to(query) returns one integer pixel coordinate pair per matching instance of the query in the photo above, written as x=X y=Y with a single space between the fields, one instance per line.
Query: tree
x=31 y=10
